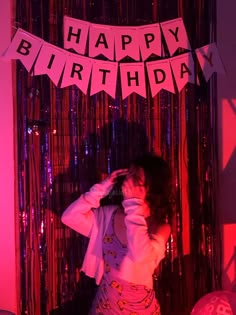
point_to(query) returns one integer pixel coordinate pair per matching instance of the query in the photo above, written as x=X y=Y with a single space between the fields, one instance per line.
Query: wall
x=227 y=154
x=226 y=42
x=8 y=281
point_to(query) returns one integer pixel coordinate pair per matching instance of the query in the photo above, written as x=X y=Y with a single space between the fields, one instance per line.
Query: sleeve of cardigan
x=142 y=246
x=79 y=216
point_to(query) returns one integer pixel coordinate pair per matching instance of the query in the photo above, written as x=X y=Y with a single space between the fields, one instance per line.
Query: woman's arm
x=142 y=245
x=79 y=215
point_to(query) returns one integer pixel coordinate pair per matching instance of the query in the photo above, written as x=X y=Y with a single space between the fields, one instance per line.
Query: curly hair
x=158 y=185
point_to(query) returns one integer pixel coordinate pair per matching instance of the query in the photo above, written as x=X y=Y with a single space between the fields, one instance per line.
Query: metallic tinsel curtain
x=67 y=141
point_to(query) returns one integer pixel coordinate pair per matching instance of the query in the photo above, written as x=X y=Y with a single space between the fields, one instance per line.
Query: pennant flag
x=160 y=76
x=51 y=61
x=184 y=70
x=149 y=40
x=132 y=79
x=77 y=71
x=126 y=42
x=101 y=41
x=75 y=34
x=25 y=47
x=175 y=35
x=104 y=77
x=209 y=60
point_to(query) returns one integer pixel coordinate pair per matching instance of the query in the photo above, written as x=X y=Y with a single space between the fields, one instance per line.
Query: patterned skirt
x=118 y=297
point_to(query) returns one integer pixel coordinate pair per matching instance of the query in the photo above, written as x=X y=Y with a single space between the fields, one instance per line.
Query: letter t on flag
x=25 y=47
x=104 y=76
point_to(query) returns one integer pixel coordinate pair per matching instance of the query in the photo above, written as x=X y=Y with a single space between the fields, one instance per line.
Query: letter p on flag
x=25 y=47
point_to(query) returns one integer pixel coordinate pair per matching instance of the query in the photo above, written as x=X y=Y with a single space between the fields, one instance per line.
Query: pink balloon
x=216 y=303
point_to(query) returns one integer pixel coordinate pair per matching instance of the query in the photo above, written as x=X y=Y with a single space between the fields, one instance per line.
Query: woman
x=127 y=241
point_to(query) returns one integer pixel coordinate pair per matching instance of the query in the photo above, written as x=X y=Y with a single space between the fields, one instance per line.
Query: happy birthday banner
x=115 y=43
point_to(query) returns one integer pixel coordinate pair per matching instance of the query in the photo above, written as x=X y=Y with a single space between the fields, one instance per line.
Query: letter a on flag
x=184 y=70
x=101 y=41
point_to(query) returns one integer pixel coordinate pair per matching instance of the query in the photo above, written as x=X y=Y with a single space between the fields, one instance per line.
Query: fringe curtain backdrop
x=67 y=141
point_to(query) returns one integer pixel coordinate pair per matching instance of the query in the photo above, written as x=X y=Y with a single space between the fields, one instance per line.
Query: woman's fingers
x=131 y=190
x=123 y=171
x=117 y=173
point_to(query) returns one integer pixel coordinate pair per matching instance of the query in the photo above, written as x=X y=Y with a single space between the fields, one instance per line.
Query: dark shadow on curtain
x=118 y=143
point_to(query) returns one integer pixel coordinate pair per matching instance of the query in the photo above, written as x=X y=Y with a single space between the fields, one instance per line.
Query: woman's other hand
x=133 y=189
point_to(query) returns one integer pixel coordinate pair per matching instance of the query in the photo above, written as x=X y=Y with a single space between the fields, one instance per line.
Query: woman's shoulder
x=163 y=230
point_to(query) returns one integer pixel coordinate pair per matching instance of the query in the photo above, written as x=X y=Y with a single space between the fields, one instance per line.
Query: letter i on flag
x=51 y=61
x=25 y=47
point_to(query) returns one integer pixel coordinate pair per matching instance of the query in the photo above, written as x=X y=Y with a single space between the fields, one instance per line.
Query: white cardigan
x=144 y=251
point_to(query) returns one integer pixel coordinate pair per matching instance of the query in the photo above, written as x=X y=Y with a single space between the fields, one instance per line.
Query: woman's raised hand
x=111 y=179
x=116 y=174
